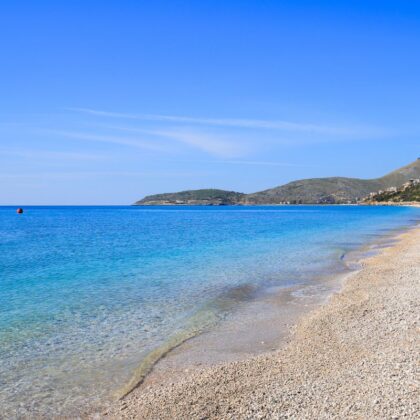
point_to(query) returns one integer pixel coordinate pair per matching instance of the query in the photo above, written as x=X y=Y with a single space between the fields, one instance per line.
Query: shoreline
x=217 y=340
x=242 y=329
x=142 y=402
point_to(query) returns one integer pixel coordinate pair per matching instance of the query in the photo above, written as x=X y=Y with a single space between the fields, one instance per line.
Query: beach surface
x=356 y=356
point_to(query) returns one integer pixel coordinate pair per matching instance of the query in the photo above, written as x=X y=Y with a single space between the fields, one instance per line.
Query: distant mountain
x=335 y=190
x=316 y=191
x=194 y=197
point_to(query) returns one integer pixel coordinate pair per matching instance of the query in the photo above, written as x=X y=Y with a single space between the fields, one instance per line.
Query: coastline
x=286 y=381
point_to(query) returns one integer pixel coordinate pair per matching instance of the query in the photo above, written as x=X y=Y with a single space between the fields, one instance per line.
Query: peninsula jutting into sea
x=335 y=190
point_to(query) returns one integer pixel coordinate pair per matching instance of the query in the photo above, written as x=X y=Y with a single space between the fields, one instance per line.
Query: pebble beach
x=356 y=356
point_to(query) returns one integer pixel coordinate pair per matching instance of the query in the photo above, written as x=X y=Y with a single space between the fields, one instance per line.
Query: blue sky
x=103 y=102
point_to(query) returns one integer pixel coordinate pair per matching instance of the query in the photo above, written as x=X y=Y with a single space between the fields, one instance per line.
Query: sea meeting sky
x=103 y=102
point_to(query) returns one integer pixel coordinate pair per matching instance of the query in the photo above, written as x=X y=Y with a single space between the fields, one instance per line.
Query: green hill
x=335 y=190
x=409 y=192
x=194 y=197
x=316 y=191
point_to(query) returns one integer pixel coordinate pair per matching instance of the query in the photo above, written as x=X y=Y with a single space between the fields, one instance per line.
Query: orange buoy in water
x=19 y=211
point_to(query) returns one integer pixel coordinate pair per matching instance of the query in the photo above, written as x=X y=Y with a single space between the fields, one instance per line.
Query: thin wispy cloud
x=50 y=154
x=217 y=145
x=337 y=130
x=122 y=141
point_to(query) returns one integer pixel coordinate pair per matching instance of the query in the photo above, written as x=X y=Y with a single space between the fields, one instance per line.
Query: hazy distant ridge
x=335 y=190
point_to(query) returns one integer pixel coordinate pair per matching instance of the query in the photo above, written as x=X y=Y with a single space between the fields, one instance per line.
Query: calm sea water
x=87 y=292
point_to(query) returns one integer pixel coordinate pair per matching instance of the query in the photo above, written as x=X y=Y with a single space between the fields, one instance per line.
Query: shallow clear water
x=87 y=292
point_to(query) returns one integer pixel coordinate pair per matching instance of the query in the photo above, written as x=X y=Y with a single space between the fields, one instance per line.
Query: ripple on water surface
x=88 y=293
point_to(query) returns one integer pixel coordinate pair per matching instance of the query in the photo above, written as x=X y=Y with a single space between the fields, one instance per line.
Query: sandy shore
x=354 y=357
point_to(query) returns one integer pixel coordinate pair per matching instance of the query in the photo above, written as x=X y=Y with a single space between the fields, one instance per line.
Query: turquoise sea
x=86 y=293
